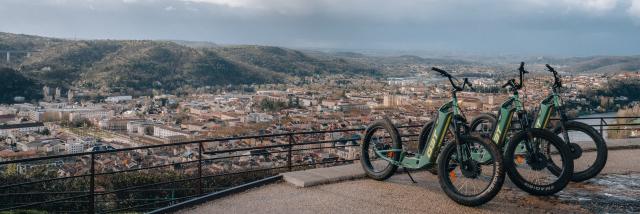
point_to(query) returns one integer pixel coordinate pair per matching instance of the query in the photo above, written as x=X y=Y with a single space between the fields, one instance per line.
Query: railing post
x=92 y=185
x=601 y=123
x=200 y=168
x=289 y=154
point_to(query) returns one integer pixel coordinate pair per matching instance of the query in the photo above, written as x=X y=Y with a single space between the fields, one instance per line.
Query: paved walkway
x=397 y=195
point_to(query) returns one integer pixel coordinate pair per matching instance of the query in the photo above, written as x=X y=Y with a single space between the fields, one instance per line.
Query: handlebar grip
x=521 y=69
x=550 y=68
x=444 y=73
x=506 y=84
x=436 y=69
x=466 y=80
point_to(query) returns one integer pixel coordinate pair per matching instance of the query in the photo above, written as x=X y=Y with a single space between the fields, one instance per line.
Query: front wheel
x=464 y=177
x=381 y=145
x=538 y=162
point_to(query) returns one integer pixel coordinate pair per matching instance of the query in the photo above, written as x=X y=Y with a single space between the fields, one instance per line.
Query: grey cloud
x=562 y=27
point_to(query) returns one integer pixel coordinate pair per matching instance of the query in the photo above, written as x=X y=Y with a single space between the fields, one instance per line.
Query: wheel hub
x=576 y=150
x=537 y=161
x=470 y=169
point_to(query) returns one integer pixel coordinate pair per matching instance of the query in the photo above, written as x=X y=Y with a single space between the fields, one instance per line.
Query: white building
x=257 y=118
x=116 y=99
x=21 y=127
x=139 y=126
x=395 y=100
x=73 y=148
x=166 y=132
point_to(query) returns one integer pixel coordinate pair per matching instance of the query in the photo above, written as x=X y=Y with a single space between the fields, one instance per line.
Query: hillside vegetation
x=15 y=84
x=117 y=65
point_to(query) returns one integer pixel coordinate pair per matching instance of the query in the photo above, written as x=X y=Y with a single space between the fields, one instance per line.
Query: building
x=116 y=99
x=257 y=118
x=395 y=100
x=115 y=124
x=6 y=118
x=73 y=148
x=21 y=127
x=58 y=94
x=70 y=96
x=93 y=114
x=45 y=93
x=165 y=132
x=46 y=145
x=141 y=127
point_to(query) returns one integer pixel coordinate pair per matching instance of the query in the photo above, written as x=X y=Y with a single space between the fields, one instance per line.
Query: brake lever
x=511 y=83
x=466 y=82
x=521 y=69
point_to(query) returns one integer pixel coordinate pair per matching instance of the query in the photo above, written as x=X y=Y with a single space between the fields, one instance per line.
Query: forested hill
x=143 y=65
x=17 y=85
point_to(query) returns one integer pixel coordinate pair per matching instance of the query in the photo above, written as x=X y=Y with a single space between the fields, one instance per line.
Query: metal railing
x=603 y=123
x=107 y=182
x=141 y=179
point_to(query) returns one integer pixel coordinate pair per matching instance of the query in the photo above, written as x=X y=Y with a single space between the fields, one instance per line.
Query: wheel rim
x=471 y=178
x=380 y=140
x=541 y=167
x=483 y=127
x=584 y=150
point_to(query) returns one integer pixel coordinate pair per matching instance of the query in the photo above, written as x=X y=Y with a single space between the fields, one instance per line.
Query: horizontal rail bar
x=189 y=142
x=43 y=202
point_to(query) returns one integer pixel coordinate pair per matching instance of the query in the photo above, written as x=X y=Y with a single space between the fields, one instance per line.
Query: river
x=595 y=122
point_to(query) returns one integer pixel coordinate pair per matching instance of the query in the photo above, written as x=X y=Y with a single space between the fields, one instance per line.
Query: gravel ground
x=400 y=195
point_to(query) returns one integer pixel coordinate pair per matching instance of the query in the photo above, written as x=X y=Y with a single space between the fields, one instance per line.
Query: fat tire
x=424 y=134
x=491 y=118
x=541 y=190
x=601 y=150
x=364 y=151
x=497 y=179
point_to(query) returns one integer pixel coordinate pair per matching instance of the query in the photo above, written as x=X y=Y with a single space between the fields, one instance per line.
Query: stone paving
x=342 y=192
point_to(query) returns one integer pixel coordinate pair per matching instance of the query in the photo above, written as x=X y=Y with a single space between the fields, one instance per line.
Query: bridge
x=9 y=52
x=213 y=175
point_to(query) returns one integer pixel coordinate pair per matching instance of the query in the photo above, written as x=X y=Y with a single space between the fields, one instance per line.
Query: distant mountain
x=605 y=64
x=196 y=44
x=142 y=65
x=394 y=66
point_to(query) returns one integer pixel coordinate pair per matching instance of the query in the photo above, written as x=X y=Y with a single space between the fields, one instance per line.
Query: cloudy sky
x=552 y=27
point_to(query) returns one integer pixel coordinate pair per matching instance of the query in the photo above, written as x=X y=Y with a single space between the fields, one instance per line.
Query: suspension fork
x=524 y=124
x=462 y=148
x=563 y=120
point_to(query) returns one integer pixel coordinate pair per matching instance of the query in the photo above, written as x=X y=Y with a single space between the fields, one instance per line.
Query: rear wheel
x=546 y=169
x=484 y=124
x=465 y=179
x=380 y=138
x=588 y=148
x=424 y=134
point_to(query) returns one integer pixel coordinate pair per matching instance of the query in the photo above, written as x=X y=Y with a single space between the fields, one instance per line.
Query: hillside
x=16 y=84
x=117 y=65
x=606 y=64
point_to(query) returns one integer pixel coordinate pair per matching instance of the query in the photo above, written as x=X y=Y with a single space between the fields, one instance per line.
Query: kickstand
x=411 y=177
